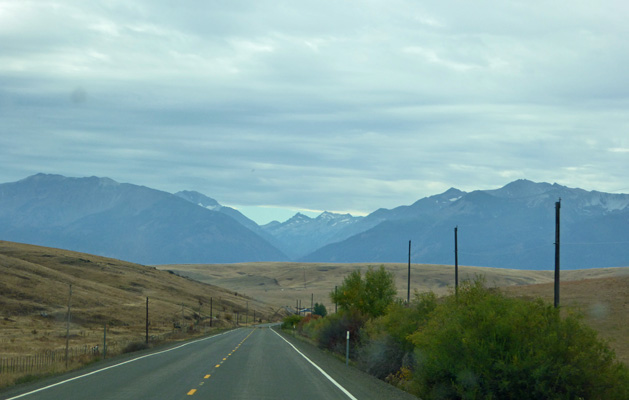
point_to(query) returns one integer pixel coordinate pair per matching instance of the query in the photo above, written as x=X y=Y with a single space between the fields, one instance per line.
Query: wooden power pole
x=456 y=260
x=408 y=289
x=557 y=240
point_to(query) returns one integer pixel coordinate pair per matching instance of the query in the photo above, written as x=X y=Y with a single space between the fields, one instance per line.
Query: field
x=602 y=295
x=35 y=292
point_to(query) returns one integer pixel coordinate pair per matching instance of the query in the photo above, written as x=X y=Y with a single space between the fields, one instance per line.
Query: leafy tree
x=319 y=309
x=370 y=296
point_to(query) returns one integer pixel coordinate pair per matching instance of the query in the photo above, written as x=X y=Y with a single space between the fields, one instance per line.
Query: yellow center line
x=193 y=391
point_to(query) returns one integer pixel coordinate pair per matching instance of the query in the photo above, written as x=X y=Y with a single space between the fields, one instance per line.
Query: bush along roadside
x=478 y=344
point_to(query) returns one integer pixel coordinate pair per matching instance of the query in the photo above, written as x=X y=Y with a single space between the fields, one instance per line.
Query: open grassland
x=35 y=290
x=602 y=295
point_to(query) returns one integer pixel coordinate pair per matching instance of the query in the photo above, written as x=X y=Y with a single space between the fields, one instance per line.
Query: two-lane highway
x=267 y=367
x=240 y=364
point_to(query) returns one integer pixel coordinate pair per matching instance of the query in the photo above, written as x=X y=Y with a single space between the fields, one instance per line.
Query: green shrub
x=382 y=356
x=333 y=331
x=311 y=325
x=387 y=347
x=400 y=320
x=482 y=345
x=291 y=321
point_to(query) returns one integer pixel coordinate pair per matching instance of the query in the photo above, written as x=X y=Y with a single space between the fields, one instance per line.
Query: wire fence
x=44 y=360
x=50 y=359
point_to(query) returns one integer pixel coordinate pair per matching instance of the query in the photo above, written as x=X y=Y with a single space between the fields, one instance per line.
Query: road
x=241 y=364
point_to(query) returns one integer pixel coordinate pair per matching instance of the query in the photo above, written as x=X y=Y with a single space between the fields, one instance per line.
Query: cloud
x=334 y=105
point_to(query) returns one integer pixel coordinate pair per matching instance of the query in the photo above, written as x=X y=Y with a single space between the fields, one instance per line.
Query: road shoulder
x=357 y=382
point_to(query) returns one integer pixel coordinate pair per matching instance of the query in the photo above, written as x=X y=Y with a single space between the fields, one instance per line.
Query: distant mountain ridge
x=511 y=227
x=301 y=235
x=129 y=222
x=211 y=204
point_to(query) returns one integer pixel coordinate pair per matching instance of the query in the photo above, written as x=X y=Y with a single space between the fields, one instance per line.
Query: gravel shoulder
x=360 y=384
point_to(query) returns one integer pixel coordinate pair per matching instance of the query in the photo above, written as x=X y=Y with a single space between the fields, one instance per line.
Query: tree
x=370 y=296
x=319 y=309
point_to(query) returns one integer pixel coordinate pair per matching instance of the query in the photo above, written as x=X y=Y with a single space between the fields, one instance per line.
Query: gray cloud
x=322 y=105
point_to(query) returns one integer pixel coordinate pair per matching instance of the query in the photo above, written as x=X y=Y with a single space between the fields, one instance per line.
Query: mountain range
x=124 y=221
x=510 y=227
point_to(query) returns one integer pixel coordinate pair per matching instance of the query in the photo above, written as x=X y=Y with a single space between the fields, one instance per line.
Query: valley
x=35 y=291
x=601 y=294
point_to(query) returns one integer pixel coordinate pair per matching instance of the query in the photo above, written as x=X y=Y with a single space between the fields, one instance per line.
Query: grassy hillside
x=34 y=293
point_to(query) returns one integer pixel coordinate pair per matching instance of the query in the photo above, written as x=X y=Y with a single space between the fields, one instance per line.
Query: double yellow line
x=193 y=391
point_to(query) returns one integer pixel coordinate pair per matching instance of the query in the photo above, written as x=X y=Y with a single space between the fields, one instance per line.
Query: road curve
x=241 y=364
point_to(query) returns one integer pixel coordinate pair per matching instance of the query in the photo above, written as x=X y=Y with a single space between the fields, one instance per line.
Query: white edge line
x=115 y=365
x=338 y=385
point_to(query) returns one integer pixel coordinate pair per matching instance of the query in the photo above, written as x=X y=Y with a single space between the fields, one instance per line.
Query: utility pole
x=68 y=325
x=335 y=304
x=147 y=320
x=311 y=303
x=211 y=317
x=247 y=315
x=408 y=292
x=557 y=240
x=456 y=261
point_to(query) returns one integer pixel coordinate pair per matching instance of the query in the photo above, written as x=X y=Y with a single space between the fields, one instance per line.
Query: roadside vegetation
x=477 y=344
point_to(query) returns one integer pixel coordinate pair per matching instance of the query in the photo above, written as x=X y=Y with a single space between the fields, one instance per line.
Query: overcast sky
x=344 y=106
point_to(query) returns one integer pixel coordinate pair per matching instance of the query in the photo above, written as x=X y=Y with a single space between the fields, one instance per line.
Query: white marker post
x=347 y=350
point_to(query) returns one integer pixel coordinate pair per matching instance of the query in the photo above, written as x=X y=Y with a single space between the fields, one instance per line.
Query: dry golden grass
x=34 y=293
x=601 y=294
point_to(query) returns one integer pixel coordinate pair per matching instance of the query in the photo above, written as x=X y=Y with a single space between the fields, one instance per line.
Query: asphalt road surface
x=241 y=364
